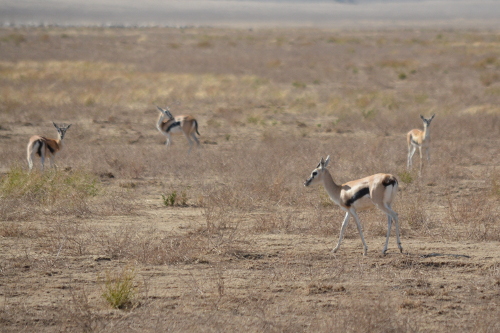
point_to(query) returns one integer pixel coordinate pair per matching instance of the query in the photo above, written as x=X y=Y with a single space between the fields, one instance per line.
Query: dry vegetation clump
x=24 y=194
x=227 y=238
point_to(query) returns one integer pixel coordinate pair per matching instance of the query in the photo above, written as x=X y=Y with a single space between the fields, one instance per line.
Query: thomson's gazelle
x=43 y=146
x=377 y=190
x=419 y=139
x=168 y=124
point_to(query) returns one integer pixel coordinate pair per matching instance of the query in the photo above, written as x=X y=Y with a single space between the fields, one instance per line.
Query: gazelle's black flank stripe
x=358 y=195
x=177 y=123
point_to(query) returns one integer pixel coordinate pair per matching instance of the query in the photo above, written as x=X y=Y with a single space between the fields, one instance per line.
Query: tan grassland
x=227 y=238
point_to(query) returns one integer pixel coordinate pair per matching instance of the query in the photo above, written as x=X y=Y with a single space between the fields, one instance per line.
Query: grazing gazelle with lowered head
x=377 y=190
x=168 y=124
x=419 y=139
x=45 y=147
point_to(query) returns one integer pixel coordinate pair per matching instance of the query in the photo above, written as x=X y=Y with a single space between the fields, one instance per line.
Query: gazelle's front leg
x=342 y=230
x=167 y=143
x=360 y=230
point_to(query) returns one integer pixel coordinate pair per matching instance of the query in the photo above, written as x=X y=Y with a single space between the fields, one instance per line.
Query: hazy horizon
x=255 y=13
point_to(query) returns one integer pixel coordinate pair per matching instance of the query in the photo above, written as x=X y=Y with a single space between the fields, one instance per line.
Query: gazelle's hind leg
x=42 y=158
x=31 y=150
x=411 y=151
x=421 y=159
x=195 y=138
x=391 y=216
x=190 y=142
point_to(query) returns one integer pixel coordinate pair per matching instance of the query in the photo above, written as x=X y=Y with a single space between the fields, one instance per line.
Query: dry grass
x=243 y=245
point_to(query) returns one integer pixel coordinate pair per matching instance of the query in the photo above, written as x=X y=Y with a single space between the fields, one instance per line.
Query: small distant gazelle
x=168 y=124
x=45 y=147
x=378 y=190
x=419 y=139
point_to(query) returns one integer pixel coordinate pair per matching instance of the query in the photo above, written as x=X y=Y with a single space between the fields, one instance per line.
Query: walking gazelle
x=419 y=139
x=45 y=147
x=168 y=124
x=377 y=190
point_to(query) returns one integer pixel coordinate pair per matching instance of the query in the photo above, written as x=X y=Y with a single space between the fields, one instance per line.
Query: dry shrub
x=222 y=212
x=276 y=222
x=18 y=230
x=473 y=218
x=365 y=316
x=411 y=207
x=156 y=248
x=70 y=237
x=323 y=221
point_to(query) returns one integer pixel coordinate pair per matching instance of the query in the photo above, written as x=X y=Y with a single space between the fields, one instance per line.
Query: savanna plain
x=129 y=235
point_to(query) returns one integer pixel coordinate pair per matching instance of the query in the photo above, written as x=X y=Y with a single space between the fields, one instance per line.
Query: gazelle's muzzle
x=308 y=181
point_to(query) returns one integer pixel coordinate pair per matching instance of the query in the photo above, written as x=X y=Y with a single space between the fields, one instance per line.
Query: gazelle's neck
x=427 y=133
x=331 y=188
x=160 y=121
x=59 y=140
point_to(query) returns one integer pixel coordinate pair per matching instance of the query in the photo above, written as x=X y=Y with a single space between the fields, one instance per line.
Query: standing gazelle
x=377 y=190
x=181 y=124
x=419 y=139
x=43 y=146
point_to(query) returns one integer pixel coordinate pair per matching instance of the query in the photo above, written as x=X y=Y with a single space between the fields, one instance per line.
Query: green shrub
x=174 y=199
x=48 y=187
x=23 y=195
x=119 y=289
x=170 y=199
x=406 y=177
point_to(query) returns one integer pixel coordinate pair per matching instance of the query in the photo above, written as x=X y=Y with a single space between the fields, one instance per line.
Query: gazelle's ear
x=422 y=117
x=159 y=108
x=433 y=116
x=55 y=125
x=327 y=161
x=68 y=126
x=321 y=163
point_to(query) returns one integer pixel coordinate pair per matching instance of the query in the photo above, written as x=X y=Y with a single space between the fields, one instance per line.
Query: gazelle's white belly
x=176 y=129
x=362 y=203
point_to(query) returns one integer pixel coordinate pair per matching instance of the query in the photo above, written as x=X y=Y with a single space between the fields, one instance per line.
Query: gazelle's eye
x=315 y=173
